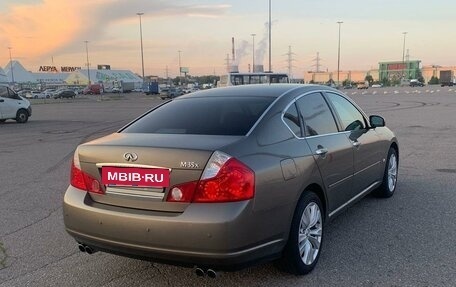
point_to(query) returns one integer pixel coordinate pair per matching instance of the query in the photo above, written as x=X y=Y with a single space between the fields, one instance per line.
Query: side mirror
x=376 y=121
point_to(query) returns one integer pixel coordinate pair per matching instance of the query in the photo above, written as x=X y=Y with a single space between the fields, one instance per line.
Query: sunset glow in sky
x=42 y=32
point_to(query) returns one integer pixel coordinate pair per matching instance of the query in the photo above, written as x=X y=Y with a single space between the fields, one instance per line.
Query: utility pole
x=317 y=63
x=270 y=69
x=88 y=64
x=227 y=63
x=290 y=62
x=338 y=55
x=142 y=52
x=253 y=52
x=403 y=55
x=11 y=65
x=180 y=67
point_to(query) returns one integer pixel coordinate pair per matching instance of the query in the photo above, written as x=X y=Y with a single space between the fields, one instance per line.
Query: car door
x=365 y=142
x=8 y=106
x=332 y=150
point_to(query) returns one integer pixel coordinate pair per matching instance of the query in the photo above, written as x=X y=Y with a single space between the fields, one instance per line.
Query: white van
x=13 y=106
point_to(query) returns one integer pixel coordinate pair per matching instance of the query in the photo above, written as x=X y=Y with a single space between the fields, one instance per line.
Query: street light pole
x=270 y=69
x=338 y=55
x=142 y=52
x=11 y=65
x=88 y=64
x=253 y=54
x=180 y=67
x=403 y=55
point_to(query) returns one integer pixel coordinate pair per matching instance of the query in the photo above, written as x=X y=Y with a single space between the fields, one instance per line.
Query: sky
x=52 y=32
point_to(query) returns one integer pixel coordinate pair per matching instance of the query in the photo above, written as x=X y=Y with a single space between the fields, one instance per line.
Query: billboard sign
x=53 y=69
x=396 y=66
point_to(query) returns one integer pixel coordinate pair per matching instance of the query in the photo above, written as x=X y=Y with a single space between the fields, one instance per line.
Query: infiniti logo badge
x=130 y=156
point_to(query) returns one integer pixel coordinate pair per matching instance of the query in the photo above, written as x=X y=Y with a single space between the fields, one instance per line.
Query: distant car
x=347 y=87
x=229 y=177
x=170 y=93
x=116 y=90
x=36 y=95
x=93 y=89
x=377 y=86
x=49 y=93
x=416 y=83
x=362 y=86
x=23 y=93
x=64 y=94
x=13 y=106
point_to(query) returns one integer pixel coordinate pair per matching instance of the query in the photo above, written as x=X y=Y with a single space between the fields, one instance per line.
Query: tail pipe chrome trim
x=201 y=272
x=85 y=248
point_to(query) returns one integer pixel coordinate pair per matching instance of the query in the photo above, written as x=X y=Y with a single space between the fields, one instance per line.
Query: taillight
x=225 y=179
x=82 y=180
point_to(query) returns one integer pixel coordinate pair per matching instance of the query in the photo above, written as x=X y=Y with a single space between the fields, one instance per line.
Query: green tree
x=433 y=81
x=369 y=79
x=386 y=82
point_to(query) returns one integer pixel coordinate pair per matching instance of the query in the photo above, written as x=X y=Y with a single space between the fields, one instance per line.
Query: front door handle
x=356 y=144
x=321 y=151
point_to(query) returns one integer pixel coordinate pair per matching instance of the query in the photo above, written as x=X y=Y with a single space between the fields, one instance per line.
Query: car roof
x=264 y=90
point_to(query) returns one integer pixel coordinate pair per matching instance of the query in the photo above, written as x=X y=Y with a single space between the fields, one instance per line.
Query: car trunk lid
x=185 y=156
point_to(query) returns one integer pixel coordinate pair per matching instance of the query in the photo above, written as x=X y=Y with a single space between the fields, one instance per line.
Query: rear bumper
x=218 y=236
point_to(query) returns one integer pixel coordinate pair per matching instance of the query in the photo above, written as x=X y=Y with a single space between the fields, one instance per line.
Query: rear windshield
x=232 y=116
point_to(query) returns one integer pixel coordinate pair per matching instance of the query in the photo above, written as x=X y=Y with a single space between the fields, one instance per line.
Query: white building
x=18 y=74
x=3 y=77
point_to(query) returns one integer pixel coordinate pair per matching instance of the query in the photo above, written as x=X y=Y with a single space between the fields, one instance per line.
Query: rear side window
x=318 y=119
x=232 y=116
x=291 y=118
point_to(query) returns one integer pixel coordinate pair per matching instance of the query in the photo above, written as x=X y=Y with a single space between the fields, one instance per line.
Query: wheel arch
x=318 y=190
x=396 y=148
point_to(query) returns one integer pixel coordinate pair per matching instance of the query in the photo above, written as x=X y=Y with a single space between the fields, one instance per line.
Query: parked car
x=227 y=177
x=62 y=94
x=170 y=93
x=36 y=95
x=416 y=83
x=362 y=86
x=377 y=85
x=49 y=93
x=93 y=89
x=116 y=90
x=13 y=106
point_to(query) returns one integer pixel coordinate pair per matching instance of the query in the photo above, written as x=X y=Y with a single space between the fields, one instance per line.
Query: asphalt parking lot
x=407 y=240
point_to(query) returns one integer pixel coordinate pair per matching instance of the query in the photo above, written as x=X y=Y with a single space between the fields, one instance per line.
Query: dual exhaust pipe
x=86 y=248
x=200 y=272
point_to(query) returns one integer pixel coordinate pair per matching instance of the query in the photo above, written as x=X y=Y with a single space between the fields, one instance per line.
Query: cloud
x=51 y=26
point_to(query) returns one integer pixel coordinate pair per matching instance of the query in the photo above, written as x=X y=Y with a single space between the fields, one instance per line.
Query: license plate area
x=135 y=177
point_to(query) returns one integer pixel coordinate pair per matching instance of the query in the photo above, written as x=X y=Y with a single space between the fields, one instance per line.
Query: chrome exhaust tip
x=211 y=273
x=199 y=272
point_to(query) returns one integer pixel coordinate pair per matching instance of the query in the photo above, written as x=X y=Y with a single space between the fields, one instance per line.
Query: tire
x=22 y=116
x=389 y=182
x=303 y=248
x=2 y=120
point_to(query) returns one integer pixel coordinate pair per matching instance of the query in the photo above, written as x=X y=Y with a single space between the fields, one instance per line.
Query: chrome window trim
x=324 y=96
